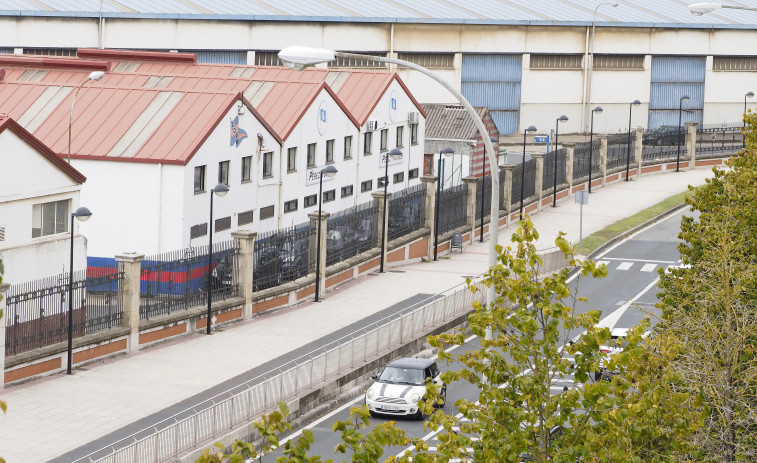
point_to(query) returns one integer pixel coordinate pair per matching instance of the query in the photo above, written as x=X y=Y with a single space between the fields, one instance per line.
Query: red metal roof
x=10 y=124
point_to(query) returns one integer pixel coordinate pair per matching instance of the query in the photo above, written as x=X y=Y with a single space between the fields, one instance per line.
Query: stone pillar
x=638 y=148
x=603 y=157
x=382 y=219
x=131 y=264
x=245 y=272
x=4 y=308
x=430 y=182
x=539 y=179
x=312 y=253
x=507 y=191
x=472 y=183
x=569 y=153
x=691 y=143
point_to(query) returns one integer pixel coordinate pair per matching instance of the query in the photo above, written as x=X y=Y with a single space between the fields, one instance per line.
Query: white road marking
x=639 y=260
x=624 y=265
x=649 y=268
x=602 y=262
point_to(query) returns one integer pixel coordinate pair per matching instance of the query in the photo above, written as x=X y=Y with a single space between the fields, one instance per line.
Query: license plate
x=389 y=407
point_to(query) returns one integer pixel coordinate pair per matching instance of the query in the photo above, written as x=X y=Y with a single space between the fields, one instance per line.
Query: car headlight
x=414 y=398
x=370 y=393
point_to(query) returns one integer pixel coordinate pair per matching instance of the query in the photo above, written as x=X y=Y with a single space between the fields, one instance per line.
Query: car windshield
x=402 y=376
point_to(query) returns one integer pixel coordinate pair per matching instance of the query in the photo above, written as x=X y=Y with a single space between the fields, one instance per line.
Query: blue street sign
x=541 y=138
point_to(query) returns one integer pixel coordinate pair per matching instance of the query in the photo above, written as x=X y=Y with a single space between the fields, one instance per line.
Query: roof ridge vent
x=137 y=55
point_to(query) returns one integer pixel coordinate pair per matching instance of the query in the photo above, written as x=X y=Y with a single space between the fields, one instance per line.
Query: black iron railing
x=37 y=311
x=548 y=177
x=407 y=211
x=351 y=232
x=617 y=149
x=718 y=141
x=452 y=207
x=281 y=256
x=484 y=184
x=179 y=280
x=662 y=144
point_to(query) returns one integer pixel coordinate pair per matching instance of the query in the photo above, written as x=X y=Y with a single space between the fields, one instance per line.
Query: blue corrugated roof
x=559 y=12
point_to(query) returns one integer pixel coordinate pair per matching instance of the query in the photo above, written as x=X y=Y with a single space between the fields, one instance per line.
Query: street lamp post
x=394 y=154
x=221 y=191
x=328 y=171
x=560 y=119
x=530 y=128
x=96 y=75
x=82 y=214
x=597 y=110
x=743 y=129
x=444 y=152
x=301 y=57
x=628 y=148
x=680 y=114
x=590 y=63
x=483 y=189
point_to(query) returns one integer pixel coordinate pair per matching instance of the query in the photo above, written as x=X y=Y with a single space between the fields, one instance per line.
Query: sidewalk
x=49 y=417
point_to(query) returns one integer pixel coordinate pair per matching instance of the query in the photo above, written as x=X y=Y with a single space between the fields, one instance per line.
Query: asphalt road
x=625 y=297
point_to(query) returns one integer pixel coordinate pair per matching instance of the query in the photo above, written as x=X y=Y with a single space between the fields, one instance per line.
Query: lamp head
x=82 y=214
x=447 y=151
x=613 y=4
x=750 y=94
x=636 y=102
x=395 y=154
x=698 y=9
x=96 y=75
x=298 y=58
x=597 y=110
x=685 y=98
x=328 y=171
x=562 y=118
x=220 y=189
x=531 y=128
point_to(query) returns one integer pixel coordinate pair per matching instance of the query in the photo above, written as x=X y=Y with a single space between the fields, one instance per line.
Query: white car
x=613 y=346
x=401 y=385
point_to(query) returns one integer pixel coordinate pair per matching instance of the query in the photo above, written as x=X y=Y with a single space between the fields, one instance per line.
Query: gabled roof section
x=9 y=124
x=451 y=122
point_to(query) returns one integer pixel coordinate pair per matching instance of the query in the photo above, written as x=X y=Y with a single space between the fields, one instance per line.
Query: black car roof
x=411 y=362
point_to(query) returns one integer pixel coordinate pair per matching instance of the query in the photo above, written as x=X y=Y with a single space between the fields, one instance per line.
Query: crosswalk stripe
x=624 y=265
x=648 y=267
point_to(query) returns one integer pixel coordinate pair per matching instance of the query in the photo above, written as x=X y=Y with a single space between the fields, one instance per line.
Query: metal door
x=493 y=81
x=672 y=78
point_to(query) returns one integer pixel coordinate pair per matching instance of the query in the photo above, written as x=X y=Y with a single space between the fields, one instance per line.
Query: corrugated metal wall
x=221 y=56
x=672 y=78
x=493 y=81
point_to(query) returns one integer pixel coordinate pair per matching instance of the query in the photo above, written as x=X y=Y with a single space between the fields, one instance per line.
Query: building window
x=198 y=230
x=223 y=224
x=366 y=186
x=399 y=177
x=734 y=63
x=348 y=147
x=380 y=182
x=347 y=191
x=329 y=196
x=329 y=151
x=291 y=159
x=246 y=168
x=268 y=164
x=310 y=201
x=199 y=179
x=429 y=60
x=290 y=206
x=243 y=218
x=556 y=61
x=414 y=134
x=345 y=62
x=223 y=172
x=267 y=58
x=413 y=173
x=367 y=142
x=266 y=212
x=384 y=139
x=311 y=155
x=400 y=136
x=625 y=62
x=50 y=218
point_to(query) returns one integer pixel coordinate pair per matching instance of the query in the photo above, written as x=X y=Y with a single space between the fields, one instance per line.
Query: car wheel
x=419 y=416
x=443 y=396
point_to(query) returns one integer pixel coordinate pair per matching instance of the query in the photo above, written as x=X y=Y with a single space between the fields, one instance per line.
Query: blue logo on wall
x=322 y=118
x=394 y=103
x=393 y=106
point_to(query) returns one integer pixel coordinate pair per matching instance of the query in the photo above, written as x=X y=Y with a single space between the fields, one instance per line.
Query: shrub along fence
x=146 y=300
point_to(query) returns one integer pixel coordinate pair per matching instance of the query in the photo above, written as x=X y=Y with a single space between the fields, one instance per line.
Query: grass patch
x=592 y=242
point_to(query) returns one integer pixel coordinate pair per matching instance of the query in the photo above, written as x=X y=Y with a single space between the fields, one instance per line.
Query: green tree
x=709 y=307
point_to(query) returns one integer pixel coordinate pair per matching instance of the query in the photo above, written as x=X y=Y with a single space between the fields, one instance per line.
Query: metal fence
x=483 y=190
x=524 y=174
x=407 y=211
x=37 y=311
x=351 y=232
x=206 y=421
x=453 y=210
x=281 y=256
x=178 y=280
x=548 y=177
x=718 y=141
x=663 y=144
x=581 y=161
x=619 y=151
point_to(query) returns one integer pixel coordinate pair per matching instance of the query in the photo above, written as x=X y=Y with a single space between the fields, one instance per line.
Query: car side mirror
x=374 y=377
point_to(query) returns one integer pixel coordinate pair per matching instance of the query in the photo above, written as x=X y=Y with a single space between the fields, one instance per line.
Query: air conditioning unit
x=372 y=126
x=412 y=117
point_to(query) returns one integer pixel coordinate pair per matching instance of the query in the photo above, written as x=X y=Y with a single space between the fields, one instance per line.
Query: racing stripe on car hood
x=383 y=388
x=407 y=389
